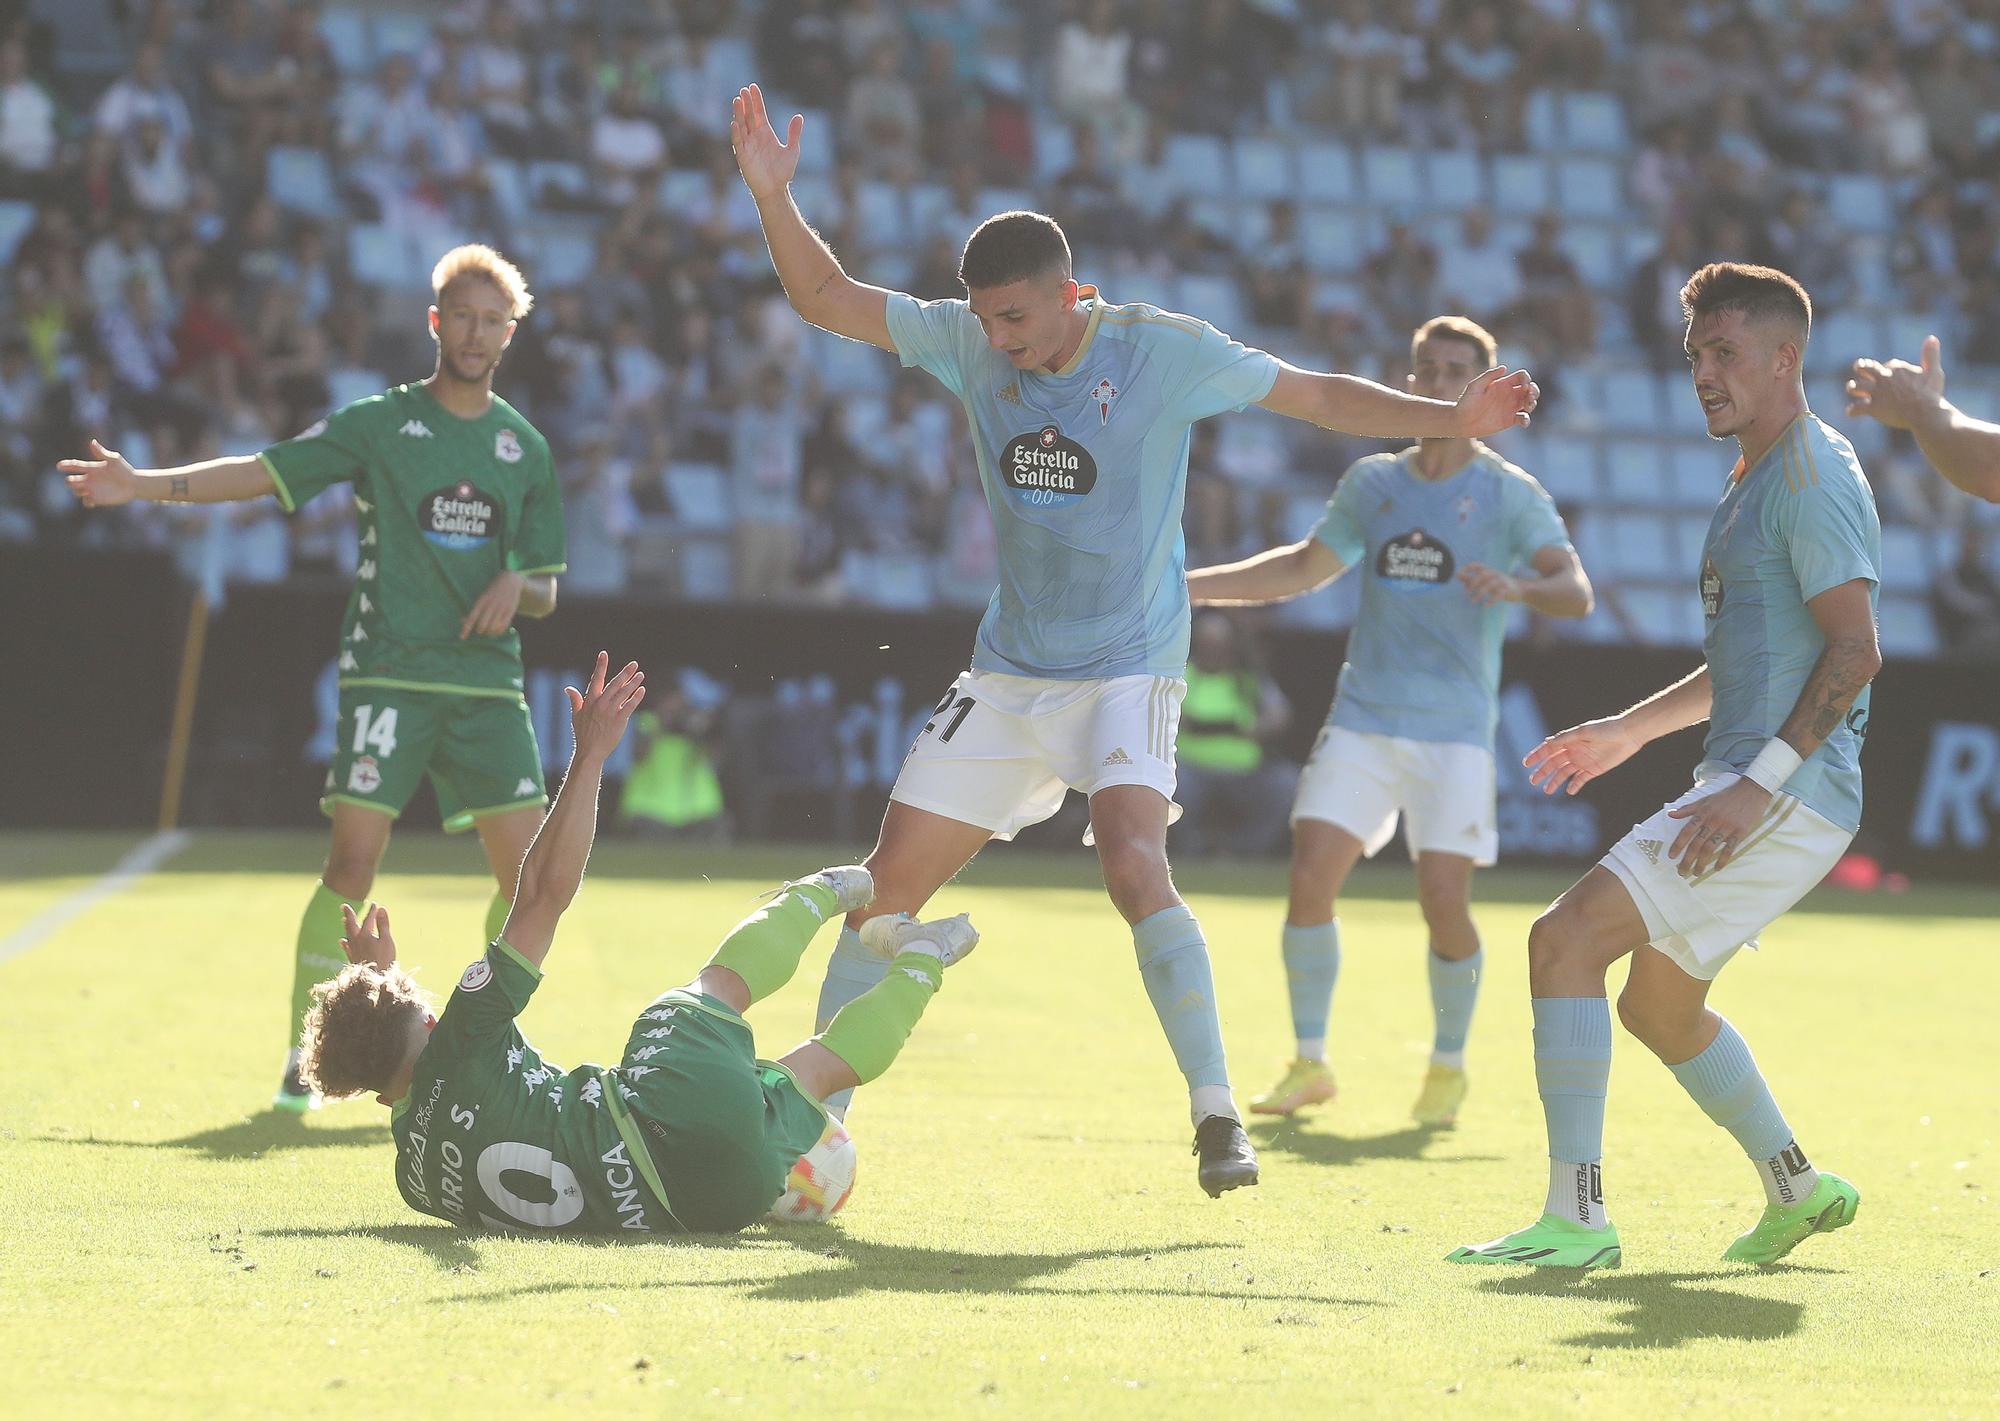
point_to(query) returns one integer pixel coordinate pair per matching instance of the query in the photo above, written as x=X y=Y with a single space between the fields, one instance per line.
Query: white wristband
x=1775 y=763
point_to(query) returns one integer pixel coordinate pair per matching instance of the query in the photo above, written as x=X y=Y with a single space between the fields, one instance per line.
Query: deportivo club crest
x=1102 y=395
x=507 y=448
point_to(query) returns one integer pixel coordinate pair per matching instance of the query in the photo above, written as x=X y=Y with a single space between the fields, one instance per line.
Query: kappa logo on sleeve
x=476 y=976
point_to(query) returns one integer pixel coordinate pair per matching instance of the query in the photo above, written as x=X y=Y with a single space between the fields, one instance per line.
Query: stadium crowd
x=216 y=221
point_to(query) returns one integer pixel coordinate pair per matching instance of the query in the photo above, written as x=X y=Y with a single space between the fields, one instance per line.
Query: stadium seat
x=707 y=568
x=1903 y=336
x=1541 y=118
x=401 y=32
x=1594 y=248
x=17 y=219
x=899 y=581
x=928 y=202
x=1578 y=401
x=819 y=154
x=884 y=217
x=1637 y=474
x=1215 y=299
x=1642 y=545
x=1665 y=616
x=847 y=366
x=1265 y=169
x=1520 y=183
x=1838 y=337
x=1589 y=188
x=1454 y=178
x=345 y=31
x=1700 y=469
x=1680 y=411
x=681 y=189
x=1326 y=173
x=1906 y=560
x=564 y=181
x=562 y=256
x=1594 y=123
x=1906 y=627
x=1627 y=401
x=509 y=181
x=1568 y=469
x=1861 y=202
x=300 y=180
x=1198 y=163
x=1690 y=533
x=1389 y=176
x=1005 y=199
x=1335 y=239
x=700 y=497
x=381 y=256
x=1055 y=148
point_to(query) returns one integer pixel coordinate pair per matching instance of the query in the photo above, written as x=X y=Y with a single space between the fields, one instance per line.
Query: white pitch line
x=141 y=861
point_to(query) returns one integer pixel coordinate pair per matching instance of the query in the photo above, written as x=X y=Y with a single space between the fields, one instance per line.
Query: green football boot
x=1438 y=1102
x=1304 y=1083
x=1784 y=1227
x=1549 y=1242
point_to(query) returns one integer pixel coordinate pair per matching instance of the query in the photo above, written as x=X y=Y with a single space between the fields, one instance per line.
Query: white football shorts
x=1701 y=923
x=1000 y=751
x=1362 y=782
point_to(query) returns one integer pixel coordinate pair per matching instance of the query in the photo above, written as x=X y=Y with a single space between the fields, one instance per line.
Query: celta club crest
x=1103 y=394
x=1467 y=506
x=506 y=447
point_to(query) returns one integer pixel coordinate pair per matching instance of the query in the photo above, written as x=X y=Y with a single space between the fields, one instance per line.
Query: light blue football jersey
x=1423 y=660
x=1085 y=471
x=1801 y=521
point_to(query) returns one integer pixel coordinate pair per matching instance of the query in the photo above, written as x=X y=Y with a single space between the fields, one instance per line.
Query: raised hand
x=1571 y=759
x=599 y=713
x=104 y=481
x=366 y=939
x=767 y=163
x=1497 y=400
x=1898 y=393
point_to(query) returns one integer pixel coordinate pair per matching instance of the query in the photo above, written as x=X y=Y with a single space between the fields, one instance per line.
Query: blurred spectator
x=800 y=43
x=155 y=177
x=118 y=256
x=27 y=126
x=1085 y=198
x=1274 y=270
x=144 y=92
x=1924 y=252
x=1478 y=66
x=1672 y=78
x=1555 y=306
x=1806 y=244
x=1807 y=111
x=384 y=121
x=1664 y=176
x=1234 y=793
x=1403 y=278
x=1090 y=75
x=1893 y=135
x=672 y=790
x=766 y=460
x=883 y=122
x=1476 y=272
x=494 y=78
x=1954 y=104
x=1362 y=61
x=1653 y=298
x=865 y=27
x=627 y=148
x=598 y=514
x=1965 y=600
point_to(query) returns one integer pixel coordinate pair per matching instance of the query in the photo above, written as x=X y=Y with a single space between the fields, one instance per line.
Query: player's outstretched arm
x=1905 y=396
x=1274 y=575
x=1498 y=400
x=108 y=479
x=553 y=869
x=1571 y=759
x=814 y=282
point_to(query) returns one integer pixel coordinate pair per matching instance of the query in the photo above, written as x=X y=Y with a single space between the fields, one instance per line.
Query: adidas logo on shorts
x=1117 y=757
x=1650 y=848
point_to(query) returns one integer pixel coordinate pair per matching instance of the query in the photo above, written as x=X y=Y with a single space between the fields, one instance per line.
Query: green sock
x=496 y=916
x=764 y=949
x=318 y=954
x=869 y=1031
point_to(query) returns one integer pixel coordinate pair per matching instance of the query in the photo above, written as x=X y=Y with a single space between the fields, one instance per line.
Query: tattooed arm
x=1849 y=663
x=108 y=480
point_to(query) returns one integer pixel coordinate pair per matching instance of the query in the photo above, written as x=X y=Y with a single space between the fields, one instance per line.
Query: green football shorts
x=724 y=1128
x=480 y=752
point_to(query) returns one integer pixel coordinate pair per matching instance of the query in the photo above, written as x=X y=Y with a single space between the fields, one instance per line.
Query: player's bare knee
x=351 y=875
x=1135 y=874
x=1447 y=915
x=1555 y=942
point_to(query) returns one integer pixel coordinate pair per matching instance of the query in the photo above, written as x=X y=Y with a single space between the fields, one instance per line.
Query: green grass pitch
x=1026 y=1238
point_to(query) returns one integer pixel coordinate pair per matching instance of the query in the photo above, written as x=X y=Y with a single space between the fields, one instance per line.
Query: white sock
x=1207 y=1100
x=1312 y=1048
x=1576 y=1193
x=1454 y=1059
x=1788 y=1175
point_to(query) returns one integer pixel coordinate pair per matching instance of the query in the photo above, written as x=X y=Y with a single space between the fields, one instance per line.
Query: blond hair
x=1457 y=328
x=358 y=1029
x=477 y=259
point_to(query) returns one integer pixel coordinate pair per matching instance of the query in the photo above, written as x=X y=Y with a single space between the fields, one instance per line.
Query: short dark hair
x=1013 y=246
x=1759 y=292
x=1457 y=328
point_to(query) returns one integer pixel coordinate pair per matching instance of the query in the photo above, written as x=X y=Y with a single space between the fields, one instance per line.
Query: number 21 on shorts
x=959 y=712
x=376 y=730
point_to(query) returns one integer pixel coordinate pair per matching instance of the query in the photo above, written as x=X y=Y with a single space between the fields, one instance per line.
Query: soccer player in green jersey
x=461 y=531
x=690 y=1131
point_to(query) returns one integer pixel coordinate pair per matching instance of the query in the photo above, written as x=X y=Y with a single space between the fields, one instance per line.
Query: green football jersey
x=444 y=504
x=490 y=1135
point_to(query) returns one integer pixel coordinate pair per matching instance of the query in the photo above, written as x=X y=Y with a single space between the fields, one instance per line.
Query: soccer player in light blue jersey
x=1442 y=535
x=1080 y=413
x=1788 y=580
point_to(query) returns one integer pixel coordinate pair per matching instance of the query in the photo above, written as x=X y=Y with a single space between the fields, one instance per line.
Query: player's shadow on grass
x=1661 y=1311
x=453 y=1250
x=273 y=1132
x=1412 y=1142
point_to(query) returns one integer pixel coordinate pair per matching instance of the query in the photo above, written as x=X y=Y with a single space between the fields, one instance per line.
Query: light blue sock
x=851 y=971
x=1726 y=1084
x=1573 y=1073
x=1173 y=963
x=1312 y=966
x=1454 y=993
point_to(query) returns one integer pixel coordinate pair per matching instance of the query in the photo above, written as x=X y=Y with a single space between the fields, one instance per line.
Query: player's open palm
x=767 y=161
x=1897 y=393
x=599 y=713
x=103 y=481
x=1498 y=400
x=367 y=939
x=1571 y=759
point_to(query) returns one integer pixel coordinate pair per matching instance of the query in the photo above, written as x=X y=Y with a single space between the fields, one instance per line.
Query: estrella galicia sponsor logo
x=1415 y=556
x=1711 y=588
x=462 y=516
x=1046 y=469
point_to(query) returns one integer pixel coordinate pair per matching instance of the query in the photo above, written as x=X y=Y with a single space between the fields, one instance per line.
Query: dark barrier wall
x=89 y=649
